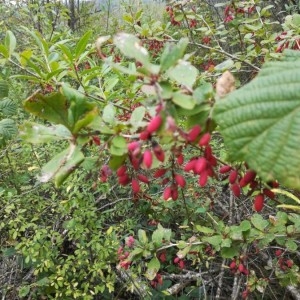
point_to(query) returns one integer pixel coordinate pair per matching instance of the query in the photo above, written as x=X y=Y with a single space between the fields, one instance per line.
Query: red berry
x=289 y=263
x=159 y=173
x=259 y=202
x=135 y=186
x=154 y=124
x=143 y=178
x=180 y=180
x=269 y=193
x=225 y=169
x=180 y=159
x=190 y=165
x=232 y=265
x=145 y=135
x=121 y=171
x=241 y=268
x=96 y=140
x=194 y=133
x=247 y=178
x=167 y=193
x=176 y=260
x=147 y=159
x=278 y=252
x=233 y=176
x=133 y=146
x=181 y=264
x=124 y=179
x=200 y=165
x=204 y=140
x=174 y=193
x=159 y=152
x=162 y=257
x=203 y=179
x=235 y=189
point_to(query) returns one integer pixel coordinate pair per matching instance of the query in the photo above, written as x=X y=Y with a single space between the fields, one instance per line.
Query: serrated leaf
x=37 y=133
x=8 y=107
x=62 y=165
x=3 y=89
x=184 y=73
x=7 y=128
x=260 y=122
x=130 y=46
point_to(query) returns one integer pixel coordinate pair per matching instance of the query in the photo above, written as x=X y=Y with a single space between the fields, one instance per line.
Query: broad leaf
x=152 y=268
x=37 y=133
x=261 y=122
x=62 y=165
x=10 y=42
x=52 y=107
x=7 y=128
x=184 y=101
x=3 y=89
x=8 y=107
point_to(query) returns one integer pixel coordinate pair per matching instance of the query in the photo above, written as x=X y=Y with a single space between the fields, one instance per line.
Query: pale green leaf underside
x=261 y=123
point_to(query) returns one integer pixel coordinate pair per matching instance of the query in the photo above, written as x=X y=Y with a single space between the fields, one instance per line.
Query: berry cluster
x=231 y=11
x=154 y=46
x=284 y=43
x=170 y=11
x=238 y=266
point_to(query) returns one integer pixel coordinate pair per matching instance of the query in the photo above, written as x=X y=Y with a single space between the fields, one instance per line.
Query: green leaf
x=10 y=42
x=291 y=245
x=7 y=128
x=204 y=229
x=184 y=101
x=245 y=225
x=184 y=73
x=137 y=116
x=82 y=44
x=131 y=47
x=3 y=89
x=260 y=122
x=8 y=107
x=215 y=240
x=157 y=236
x=4 y=51
x=52 y=107
x=152 y=268
x=258 y=222
x=37 y=133
x=142 y=236
x=109 y=113
x=62 y=165
x=24 y=291
x=229 y=252
x=172 y=53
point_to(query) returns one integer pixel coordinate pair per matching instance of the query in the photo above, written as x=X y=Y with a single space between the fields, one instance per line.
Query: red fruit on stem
x=269 y=193
x=232 y=265
x=121 y=171
x=180 y=180
x=208 y=152
x=190 y=165
x=233 y=176
x=194 y=133
x=289 y=263
x=200 y=165
x=96 y=140
x=203 y=179
x=165 y=181
x=143 y=178
x=154 y=124
x=176 y=260
x=241 y=268
x=145 y=135
x=259 y=202
x=159 y=173
x=278 y=252
x=235 y=189
x=159 y=152
x=248 y=177
x=124 y=179
x=225 y=169
x=174 y=193
x=167 y=193
x=180 y=159
x=135 y=186
x=133 y=145
x=204 y=140
x=162 y=257
x=181 y=264
x=147 y=159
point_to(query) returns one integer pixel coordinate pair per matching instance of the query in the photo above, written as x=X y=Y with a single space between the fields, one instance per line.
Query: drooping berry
x=278 y=252
x=194 y=133
x=167 y=193
x=159 y=173
x=232 y=265
x=174 y=193
x=235 y=189
x=247 y=178
x=133 y=146
x=159 y=152
x=124 y=179
x=200 y=165
x=190 y=165
x=145 y=135
x=225 y=169
x=180 y=180
x=121 y=171
x=203 y=179
x=233 y=176
x=269 y=193
x=147 y=159
x=154 y=124
x=259 y=202
x=180 y=159
x=135 y=186
x=143 y=178
x=204 y=140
